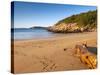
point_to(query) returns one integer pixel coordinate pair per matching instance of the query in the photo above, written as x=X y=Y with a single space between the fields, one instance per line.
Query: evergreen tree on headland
x=87 y=19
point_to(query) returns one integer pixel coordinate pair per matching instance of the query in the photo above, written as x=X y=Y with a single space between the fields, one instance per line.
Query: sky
x=29 y=14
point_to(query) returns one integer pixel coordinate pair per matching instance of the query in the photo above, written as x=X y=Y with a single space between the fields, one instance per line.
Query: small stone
x=65 y=49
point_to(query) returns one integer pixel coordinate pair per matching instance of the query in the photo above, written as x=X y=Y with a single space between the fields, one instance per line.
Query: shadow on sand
x=92 y=49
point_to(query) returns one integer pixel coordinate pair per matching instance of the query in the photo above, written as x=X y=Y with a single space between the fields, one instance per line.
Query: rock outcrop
x=76 y=23
x=65 y=28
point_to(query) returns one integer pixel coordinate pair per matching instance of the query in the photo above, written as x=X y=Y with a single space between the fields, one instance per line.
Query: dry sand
x=49 y=55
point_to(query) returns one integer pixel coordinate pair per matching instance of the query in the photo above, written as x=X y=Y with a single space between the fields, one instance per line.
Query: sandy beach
x=48 y=54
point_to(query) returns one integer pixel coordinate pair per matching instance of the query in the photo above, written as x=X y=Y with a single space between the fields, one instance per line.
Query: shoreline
x=56 y=36
x=49 y=55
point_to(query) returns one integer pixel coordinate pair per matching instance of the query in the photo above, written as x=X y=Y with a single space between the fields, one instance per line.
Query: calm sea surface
x=36 y=33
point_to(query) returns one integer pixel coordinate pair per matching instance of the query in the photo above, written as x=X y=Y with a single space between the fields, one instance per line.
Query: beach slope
x=51 y=54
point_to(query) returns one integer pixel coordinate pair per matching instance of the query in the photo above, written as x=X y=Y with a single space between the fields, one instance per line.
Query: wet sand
x=48 y=54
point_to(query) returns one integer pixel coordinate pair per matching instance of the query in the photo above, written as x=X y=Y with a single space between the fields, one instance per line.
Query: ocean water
x=25 y=33
x=36 y=33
